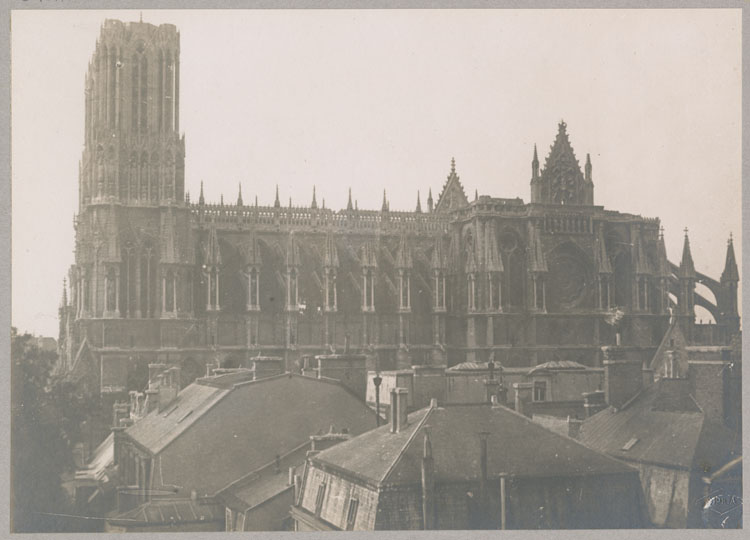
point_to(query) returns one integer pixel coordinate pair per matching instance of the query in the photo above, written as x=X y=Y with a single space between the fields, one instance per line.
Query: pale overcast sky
x=383 y=99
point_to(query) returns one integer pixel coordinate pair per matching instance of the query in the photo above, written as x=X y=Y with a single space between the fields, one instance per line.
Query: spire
x=349 y=203
x=562 y=181
x=187 y=197
x=419 y=204
x=730 y=272
x=535 y=165
x=221 y=198
x=385 y=203
x=588 y=168
x=324 y=203
x=256 y=201
x=201 y=200
x=429 y=201
x=663 y=270
x=314 y=203
x=290 y=202
x=453 y=166
x=239 y=196
x=476 y=195
x=687 y=268
x=277 y=202
x=493 y=262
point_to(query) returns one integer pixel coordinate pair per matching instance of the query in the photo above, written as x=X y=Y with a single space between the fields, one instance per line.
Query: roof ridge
x=408 y=442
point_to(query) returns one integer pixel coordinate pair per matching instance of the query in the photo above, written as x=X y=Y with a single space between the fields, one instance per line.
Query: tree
x=45 y=424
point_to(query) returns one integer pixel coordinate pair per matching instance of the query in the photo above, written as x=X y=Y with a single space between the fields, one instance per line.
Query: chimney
x=152 y=400
x=491 y=388
x=399 y=409
x=154 y=370
x=169 y=387
x=119 y=411
x=593 y=402
x=428 y=485
x=523 y=397
x=623 y=377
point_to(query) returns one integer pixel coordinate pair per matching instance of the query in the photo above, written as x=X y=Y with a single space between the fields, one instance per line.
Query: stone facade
x=159 y=277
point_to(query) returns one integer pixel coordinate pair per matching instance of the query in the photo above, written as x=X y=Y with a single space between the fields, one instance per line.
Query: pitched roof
x=669 y=432
x=159 y=428
x=248 y=424
x=673 y=339
x=517 y=446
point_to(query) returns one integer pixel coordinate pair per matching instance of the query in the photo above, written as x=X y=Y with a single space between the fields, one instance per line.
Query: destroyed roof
x=517 y=447
x=662 y=431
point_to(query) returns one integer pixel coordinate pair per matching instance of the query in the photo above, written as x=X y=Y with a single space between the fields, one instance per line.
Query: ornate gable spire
x=314 y=203
x=438 y=260
x=419 y=204
x=730 y=272
x=453 y=195
x=369 y=260
x=561 y=181
x=384 y=208
x=211 y=250
x=492 y=260
x=642 y=265
x=331 y=256
x=239 y=196
x=601 y=257
x=349 y=205
x=201 y=200
x=429 y=201
x=687 y=268
x=277 y=202
x=403 y=253
x=537 y=260
x=292 y=251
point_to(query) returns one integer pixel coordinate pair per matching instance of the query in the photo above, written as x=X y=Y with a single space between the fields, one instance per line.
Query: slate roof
x=159 y=428
x=672 y=432
x=243 y=427
x=517 y=446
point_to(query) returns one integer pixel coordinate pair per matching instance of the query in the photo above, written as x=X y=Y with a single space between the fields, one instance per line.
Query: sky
x=383 y=99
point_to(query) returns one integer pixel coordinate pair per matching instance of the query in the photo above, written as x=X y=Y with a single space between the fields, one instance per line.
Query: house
x=473 y=466
x=673 y=442
x=197 y=442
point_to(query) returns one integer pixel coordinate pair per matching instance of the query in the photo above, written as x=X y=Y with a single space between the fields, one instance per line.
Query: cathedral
x=159 y=277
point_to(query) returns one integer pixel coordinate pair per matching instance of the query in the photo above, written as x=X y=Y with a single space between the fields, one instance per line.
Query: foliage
x=46 y=414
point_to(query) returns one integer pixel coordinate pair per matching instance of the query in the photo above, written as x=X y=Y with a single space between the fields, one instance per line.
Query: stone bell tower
x=132 y=245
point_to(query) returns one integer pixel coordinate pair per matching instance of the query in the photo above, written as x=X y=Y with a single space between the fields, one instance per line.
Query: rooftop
x=517 y=447
x=662 y=429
